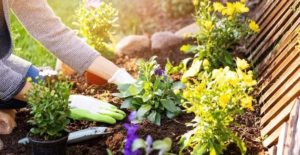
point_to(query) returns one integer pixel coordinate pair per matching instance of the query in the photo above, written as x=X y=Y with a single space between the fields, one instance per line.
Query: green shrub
x=96 y=25
x=176 y=8
x=154 y=93
x=49 y=100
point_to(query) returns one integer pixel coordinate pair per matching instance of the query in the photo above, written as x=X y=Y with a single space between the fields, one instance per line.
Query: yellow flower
x=253 y=26
x=208 y=25
x=206 y=64
x=244 y=1
x=224 y=100
x=240 y=7
x=248 y=80
x=229 y=10
x=242 y=64
x=218 y=6
x=247 y=102
x=200 y=87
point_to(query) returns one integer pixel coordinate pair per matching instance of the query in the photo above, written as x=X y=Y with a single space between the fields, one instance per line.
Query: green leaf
x=242 y=146
x=188 y=48
x=109 y=152
x=123 y=87
x=171 y=114
x=169 y=105
x=164 y=144
x=127 y=105
x=212 y=150
x=157 y=119
x=138 y=144
x=178 y=85
x=146 y=97
x=152 y=116
x=193 y=70
x=202 y=150
x=143 y=110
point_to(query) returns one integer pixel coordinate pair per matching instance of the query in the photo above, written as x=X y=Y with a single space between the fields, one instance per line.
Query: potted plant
x=49 y=116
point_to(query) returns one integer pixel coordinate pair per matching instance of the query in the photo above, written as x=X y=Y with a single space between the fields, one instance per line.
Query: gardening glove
x=91 y=109
x=121 y=76
x=7 y=121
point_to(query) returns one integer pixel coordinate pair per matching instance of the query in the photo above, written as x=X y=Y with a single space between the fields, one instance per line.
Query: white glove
x=121 y=77
x=89 y=108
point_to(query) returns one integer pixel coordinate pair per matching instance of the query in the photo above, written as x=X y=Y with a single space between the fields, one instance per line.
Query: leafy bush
x=49 y=100
x=221 y=28
x=216 y=98
x=153 y=94
x=96 y=24
x=175 y=8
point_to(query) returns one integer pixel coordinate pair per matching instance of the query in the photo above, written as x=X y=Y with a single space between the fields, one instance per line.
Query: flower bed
x=248 y=128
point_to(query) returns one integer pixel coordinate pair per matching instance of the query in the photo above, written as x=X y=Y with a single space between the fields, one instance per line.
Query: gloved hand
x=91 y=109
x=121 y=77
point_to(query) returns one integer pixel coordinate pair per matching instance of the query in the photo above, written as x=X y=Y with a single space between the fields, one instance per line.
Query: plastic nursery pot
x=51 y=147
x=94 y=79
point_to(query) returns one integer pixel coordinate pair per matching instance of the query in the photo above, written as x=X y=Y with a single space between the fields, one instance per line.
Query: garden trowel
x=79 y=136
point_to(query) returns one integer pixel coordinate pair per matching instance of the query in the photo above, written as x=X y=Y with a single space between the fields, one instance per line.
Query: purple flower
x=131 y=136
x=159 y=72
x=149 y=141
x=132 y=116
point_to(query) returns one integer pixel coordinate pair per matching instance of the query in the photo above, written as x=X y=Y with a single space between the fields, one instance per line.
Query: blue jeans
x=33 y=73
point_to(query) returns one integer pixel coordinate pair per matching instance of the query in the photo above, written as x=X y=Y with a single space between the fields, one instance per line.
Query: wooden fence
x=275 y=55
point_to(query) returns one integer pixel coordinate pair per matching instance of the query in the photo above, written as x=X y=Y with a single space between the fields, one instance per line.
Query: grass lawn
x=28 y=48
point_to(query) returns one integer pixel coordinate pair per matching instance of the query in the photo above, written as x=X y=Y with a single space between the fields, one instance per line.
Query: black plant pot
x=52 y=147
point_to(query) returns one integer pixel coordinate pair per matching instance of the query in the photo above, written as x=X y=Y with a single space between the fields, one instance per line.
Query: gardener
x=41 y=22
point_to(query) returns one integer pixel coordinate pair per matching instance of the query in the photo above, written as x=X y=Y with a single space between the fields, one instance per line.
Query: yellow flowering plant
x=96 y=24
x=222 y=28
x=216 y=97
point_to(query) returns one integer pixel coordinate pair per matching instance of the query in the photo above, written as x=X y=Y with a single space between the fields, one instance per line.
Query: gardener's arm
x=45 y=26
x=11 y=82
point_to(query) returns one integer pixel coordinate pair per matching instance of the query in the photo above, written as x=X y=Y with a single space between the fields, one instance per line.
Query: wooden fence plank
x=274 y=35
x=272 y=138
x=273 y=19
x=288 y=97
x=291 y=129
x=279 y=119
x=282 y=63
x=272 y=150
x=278 y=53
x=282 y=139
x=261 y=16
x=278 y=93
x=296 y=145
